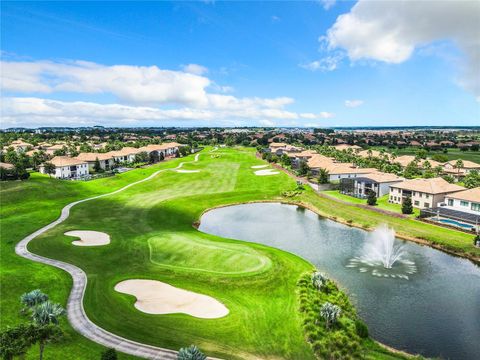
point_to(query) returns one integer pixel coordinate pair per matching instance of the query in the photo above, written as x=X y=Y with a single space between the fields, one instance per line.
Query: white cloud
x=133 y=84
x=195 y=69
x=328 y=4
x=353 y=103
x=390 y=31
x=34 y=112
x=146 y=95
x=328 y=63
x=275 y=18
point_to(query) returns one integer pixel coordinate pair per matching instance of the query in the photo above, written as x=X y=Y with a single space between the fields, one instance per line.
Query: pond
x=430 y=306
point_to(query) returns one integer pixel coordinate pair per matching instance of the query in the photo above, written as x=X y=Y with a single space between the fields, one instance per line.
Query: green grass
x=382 y=202
x=152 y=237
x=453 y=154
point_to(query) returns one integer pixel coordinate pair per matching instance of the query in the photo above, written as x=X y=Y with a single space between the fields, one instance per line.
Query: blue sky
x=247 y=52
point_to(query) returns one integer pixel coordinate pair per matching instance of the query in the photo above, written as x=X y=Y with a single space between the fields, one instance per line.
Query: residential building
x=105 y=160
x=465 y=200
x=425 y=193
x=336 y=170
x=378 y=182
x=451 y=167
x=127 y=154
x=67 y=168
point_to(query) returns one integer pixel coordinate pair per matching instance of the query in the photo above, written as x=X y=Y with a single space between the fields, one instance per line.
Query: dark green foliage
x=372 y=198
x=142 y=157
x=407 y=207
x=362 y=329
x=476 y=240
x=16 y=341
x=472 y=180
x=96 y=165
x=49 y=168
x=191 y=353
x=303 y=169
x=109 y=354
x=323 y=176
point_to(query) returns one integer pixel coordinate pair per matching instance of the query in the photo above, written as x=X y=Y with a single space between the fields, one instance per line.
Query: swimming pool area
x=456 y=223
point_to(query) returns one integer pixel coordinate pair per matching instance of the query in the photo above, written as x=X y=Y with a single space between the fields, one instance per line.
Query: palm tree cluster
x=42 y=329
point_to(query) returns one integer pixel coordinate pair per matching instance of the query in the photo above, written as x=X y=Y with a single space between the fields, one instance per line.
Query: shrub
x=319 y=280
x=361 y=328
x=407 y=207
x=372 y=198
x=109 y=354
x=191 y=353
x=330 y=313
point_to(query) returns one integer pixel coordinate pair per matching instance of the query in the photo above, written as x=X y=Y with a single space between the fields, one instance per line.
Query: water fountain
x=383 y=256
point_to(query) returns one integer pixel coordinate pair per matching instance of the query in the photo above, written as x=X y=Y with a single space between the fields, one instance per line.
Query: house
x=67 y=168
x=288 y=149
x=127 y=154
x=465 y=200
x=105 y=159
x=167 y=149
x=451 y=167
x=20 y=145
x=7 y=166
x=298 y=157
x=345 y=147
x=360 y=187
x=425 y=193
x=273 y=147
x=51 y=149
x=460 y=209
x=336 y=171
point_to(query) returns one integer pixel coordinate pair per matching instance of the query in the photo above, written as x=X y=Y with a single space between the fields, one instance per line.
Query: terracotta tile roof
x=277 y=145
x=7 y=166
x=429 y=186
x=346 y=147
x=125 y=151
x=94 y=156
x=468 y=195
x=381 y=177
x=466 y=164
x=60 y=161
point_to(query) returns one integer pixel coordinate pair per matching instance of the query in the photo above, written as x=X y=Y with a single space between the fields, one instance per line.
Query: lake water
x=435 y=312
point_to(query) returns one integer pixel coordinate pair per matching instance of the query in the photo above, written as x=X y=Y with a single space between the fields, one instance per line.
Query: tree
x=96 y=166
x=472 y=180
x=372 y=198
x=46 y=318
x=109 y=354
x=285 y=160
x=16 y=341
x=33 y=298
x=190 y=353
x=330 y=313
x=153 y=158
x=162 y=156
x=323 y=176
x=303 y=169
x=49 y=168
x=407 y=207
x=459 y=165
x=319 y=280
x=449 y=178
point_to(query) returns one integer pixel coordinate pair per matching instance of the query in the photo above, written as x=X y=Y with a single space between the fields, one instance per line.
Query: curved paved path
x=75 y=311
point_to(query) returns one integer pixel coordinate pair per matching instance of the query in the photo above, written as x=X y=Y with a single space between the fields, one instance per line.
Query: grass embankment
x=382 y=202
x=452 y=154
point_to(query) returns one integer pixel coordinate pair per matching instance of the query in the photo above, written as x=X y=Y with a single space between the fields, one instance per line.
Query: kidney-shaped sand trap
x=156 y=297
x=89 y=238
x=259 y=166
x=266 y=172
x=187 y=171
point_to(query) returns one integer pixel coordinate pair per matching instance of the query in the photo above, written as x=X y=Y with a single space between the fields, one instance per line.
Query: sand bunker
x=156 y=297
x=89 y=238
x=187 y=171
x=259 y=166
x=266 y=172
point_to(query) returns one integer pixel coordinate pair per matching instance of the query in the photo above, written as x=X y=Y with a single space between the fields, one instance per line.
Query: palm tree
x=330 y=313
x=33 y=298
x=459 y=165
x=47 y=313
x=46 y=317
x=190 y=353
x=319 y=280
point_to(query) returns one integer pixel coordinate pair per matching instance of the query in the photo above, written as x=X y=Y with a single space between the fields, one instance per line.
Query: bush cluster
x=343 y=339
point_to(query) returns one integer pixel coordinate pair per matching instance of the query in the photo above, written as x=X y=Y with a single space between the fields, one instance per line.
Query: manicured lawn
x=382 y=202
x=453 y=154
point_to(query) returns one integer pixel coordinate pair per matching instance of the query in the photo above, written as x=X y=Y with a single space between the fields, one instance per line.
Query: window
x=420 y=194
x=463 y=203
x=416 y=203
x=427 y=205
x=427 y=196
x=475 y=207
x=450 y=202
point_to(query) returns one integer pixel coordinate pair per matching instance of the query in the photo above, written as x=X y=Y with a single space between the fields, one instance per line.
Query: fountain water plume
x=381 y=253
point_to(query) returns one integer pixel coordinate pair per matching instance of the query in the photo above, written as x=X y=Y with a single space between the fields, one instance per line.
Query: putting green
x=175 y=250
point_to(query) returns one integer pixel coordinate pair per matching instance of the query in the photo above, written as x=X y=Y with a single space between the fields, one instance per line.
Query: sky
x=211 y=63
